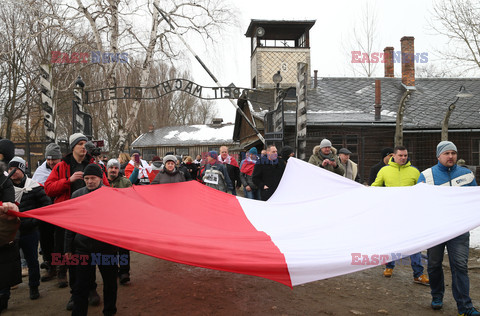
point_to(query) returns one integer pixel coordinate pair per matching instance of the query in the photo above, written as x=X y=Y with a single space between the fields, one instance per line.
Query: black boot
x=70 y=304
x=45 y=265
x=62 y=276
x=34 y=294
x=93 y=298
x=3 y=302
x=49 y=274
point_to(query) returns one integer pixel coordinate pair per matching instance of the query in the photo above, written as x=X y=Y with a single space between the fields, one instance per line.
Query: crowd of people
x=84 y=170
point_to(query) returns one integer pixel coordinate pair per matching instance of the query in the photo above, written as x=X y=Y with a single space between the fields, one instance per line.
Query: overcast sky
x=229 y=60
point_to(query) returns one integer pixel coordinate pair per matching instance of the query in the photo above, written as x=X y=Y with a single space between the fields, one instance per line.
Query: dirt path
x=160 y=287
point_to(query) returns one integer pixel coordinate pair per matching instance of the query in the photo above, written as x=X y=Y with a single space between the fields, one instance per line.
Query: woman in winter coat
x=190 y=167
x=246 y=170
x=170 y=172
x=123 y=159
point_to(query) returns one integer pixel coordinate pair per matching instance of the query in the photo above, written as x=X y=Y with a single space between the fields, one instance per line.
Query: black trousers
x=124 y=268
x=47 y=240
x=83 y=284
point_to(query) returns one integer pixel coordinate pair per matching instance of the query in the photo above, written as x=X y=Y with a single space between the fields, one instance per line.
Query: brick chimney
x=388 y=57
x=408 y=61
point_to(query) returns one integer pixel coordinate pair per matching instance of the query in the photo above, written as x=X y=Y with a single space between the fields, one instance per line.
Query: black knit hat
x=386 y=151
x=7 y=149
x=93 y=170
x=18 y=163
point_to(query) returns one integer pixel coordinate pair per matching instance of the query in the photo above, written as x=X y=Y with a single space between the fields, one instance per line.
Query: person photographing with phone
x=325 y=156
x=138 y=171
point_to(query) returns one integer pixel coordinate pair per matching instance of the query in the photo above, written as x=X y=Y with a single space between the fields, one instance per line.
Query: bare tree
x=14 y=63
x=363 y=48
x=435 y=71
x=458 y=20
x=119 y=26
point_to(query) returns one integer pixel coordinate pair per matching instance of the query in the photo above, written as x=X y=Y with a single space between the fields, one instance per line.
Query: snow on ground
x=475 y=238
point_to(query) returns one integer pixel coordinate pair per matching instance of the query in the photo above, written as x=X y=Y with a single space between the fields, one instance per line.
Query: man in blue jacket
x=448 y=173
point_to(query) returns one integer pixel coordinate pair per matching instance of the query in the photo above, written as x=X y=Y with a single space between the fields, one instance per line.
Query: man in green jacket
x=116 y=180
x=325 y=156
x=399 y=172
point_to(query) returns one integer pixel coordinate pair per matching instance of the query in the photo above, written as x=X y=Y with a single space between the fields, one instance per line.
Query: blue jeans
x=252 y=194
x=457 y=248
x=29 y=245
x=415 y=262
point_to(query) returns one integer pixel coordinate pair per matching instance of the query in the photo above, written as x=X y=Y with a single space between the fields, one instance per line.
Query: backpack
x=214 y=178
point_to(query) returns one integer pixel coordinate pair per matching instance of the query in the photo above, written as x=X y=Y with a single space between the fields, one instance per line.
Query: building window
x=302 y=41
x=181 y=151
x=475 y=153
x=148 y=153
x=277 y=43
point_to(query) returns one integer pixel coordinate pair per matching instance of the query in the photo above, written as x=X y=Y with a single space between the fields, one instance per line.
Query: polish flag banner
x=317 y=225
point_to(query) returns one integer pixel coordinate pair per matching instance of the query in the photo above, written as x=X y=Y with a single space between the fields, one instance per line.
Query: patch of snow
x=363 y=90
x=335 y=112
x=389 y=113
x=203 y=133
x=475 y=238
x=171 y=135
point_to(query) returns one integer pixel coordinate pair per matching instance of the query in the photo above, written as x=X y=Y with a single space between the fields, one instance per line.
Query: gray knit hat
x=53 y=151
x=444 y=146
x=75 y=138
x=169 y=158
x=325 y=143
x=113 y=162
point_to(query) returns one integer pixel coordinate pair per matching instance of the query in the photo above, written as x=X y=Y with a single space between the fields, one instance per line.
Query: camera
x=92 y=149
x=331 y=159
x=96 y=151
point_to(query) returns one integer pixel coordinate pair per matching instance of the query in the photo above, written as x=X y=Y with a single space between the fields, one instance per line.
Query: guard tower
x=278 y=46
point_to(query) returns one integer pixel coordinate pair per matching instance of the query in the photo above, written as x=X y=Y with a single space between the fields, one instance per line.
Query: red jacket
x=57 y=185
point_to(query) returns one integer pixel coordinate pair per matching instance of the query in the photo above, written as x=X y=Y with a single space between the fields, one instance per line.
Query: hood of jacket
x=316 y=150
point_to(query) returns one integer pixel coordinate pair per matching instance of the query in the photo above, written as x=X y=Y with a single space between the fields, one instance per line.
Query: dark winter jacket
x=7 y=193
x=58 y=184
x=164 y=176
x=79 y=243
x=269 y=173
x=192 y=170
x=374 y=171
x=186 y=173
x=32 y=198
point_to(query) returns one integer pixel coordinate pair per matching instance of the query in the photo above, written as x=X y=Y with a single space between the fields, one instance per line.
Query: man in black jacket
x=268 y=172
x=95 y=251
x=387 y=153
x=29 y=195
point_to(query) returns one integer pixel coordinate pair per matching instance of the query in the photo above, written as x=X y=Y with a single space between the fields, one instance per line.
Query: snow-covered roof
x=189 y=135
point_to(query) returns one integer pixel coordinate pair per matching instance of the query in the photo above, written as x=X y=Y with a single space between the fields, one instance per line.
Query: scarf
x=248 y=165
x=29 y=185
x=229 y=160
x=144 y=169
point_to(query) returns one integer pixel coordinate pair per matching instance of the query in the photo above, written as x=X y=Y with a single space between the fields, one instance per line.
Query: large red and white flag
x=317 y=224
